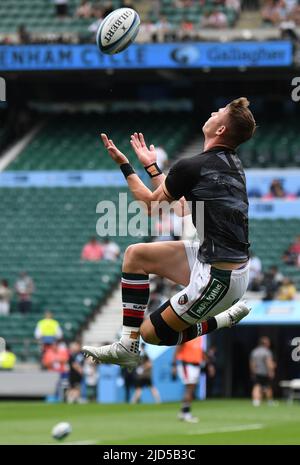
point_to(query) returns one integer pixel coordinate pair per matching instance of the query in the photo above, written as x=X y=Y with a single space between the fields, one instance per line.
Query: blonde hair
x=241 y=122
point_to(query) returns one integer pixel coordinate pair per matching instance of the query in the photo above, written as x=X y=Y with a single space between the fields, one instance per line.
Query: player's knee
x=148 y=333
x=165 y=334
x=133 y=255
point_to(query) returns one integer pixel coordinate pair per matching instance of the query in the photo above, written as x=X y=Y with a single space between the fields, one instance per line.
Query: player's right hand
x=113 y=151
x=146 y=155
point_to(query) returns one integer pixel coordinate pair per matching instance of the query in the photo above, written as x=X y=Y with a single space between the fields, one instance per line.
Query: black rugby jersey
x=217 y=178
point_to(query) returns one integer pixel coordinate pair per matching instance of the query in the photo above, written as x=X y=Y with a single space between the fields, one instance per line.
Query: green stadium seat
x=71 y=142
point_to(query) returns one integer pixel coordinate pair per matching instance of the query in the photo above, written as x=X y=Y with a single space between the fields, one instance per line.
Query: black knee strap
x=166 y=335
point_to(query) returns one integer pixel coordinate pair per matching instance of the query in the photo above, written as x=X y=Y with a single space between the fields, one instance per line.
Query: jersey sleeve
x=179 y=179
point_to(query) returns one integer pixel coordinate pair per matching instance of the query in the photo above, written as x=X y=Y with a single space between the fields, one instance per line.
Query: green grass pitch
x=220 y=422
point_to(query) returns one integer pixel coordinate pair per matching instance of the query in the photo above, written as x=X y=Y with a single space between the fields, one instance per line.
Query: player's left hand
x=113 y=151
x=146 y=155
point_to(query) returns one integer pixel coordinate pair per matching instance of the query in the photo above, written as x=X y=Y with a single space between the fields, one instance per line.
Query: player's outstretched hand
x=113 y=151
x=146 y=155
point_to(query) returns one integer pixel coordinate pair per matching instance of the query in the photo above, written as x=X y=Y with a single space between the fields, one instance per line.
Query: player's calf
x=159 y=330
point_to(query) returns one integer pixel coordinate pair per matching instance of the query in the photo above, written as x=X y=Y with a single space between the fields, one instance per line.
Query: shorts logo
x=183 y=299
x=214 y=292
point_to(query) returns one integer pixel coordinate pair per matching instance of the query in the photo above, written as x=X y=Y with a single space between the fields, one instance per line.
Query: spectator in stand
x=92 y=251
x=147 y=31
x=292 y=255
x=214 y=19
x=127 y=4
x=76 y=364
x=24 y=287
x=7 y=359
x=98 y=13
x=107 y=8
x=294 y=13
x=262 y=369
x=165 y=33
x=56 y=357
x=234 y=5
x=271 y=282
x=287 y=290
x=255 y=273
x=204 y=20
x=61 y=8
x=84 y=10
x=273 y=12
x=186 y=30
x=48 y=330
x=5 y=297
x=277 y=191
x=143 y=378
x=290 y=5
x=111 y=250
x=23 y=35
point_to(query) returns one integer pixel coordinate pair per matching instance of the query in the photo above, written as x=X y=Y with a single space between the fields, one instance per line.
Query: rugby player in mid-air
x=214 y=274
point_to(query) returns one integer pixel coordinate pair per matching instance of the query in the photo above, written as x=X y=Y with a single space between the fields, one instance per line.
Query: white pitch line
x=80 y=443
x=227 y=429
x=74 y=443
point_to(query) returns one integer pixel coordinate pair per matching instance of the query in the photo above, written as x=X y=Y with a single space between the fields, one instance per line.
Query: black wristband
x=127 y=169
x=153 y=170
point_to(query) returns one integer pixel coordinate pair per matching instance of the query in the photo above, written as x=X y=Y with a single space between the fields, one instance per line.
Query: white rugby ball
x=118 y=30
x=61 y=430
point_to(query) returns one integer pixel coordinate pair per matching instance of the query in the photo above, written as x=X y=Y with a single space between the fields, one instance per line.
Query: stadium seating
x=39 y=16
x=43 y=231
x=273 y=146
x=270 y=238
x=192 y=13
x=73 y=141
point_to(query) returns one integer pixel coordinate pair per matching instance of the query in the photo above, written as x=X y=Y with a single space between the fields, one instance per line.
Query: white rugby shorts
x=210 y=290
x=188 y=372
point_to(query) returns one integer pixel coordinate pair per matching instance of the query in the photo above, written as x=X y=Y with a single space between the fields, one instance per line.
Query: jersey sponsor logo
x=183 y=299
x=213 y=294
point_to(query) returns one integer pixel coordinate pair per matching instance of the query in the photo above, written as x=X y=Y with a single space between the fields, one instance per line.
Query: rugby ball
x=118 y=30
x=61 y=430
